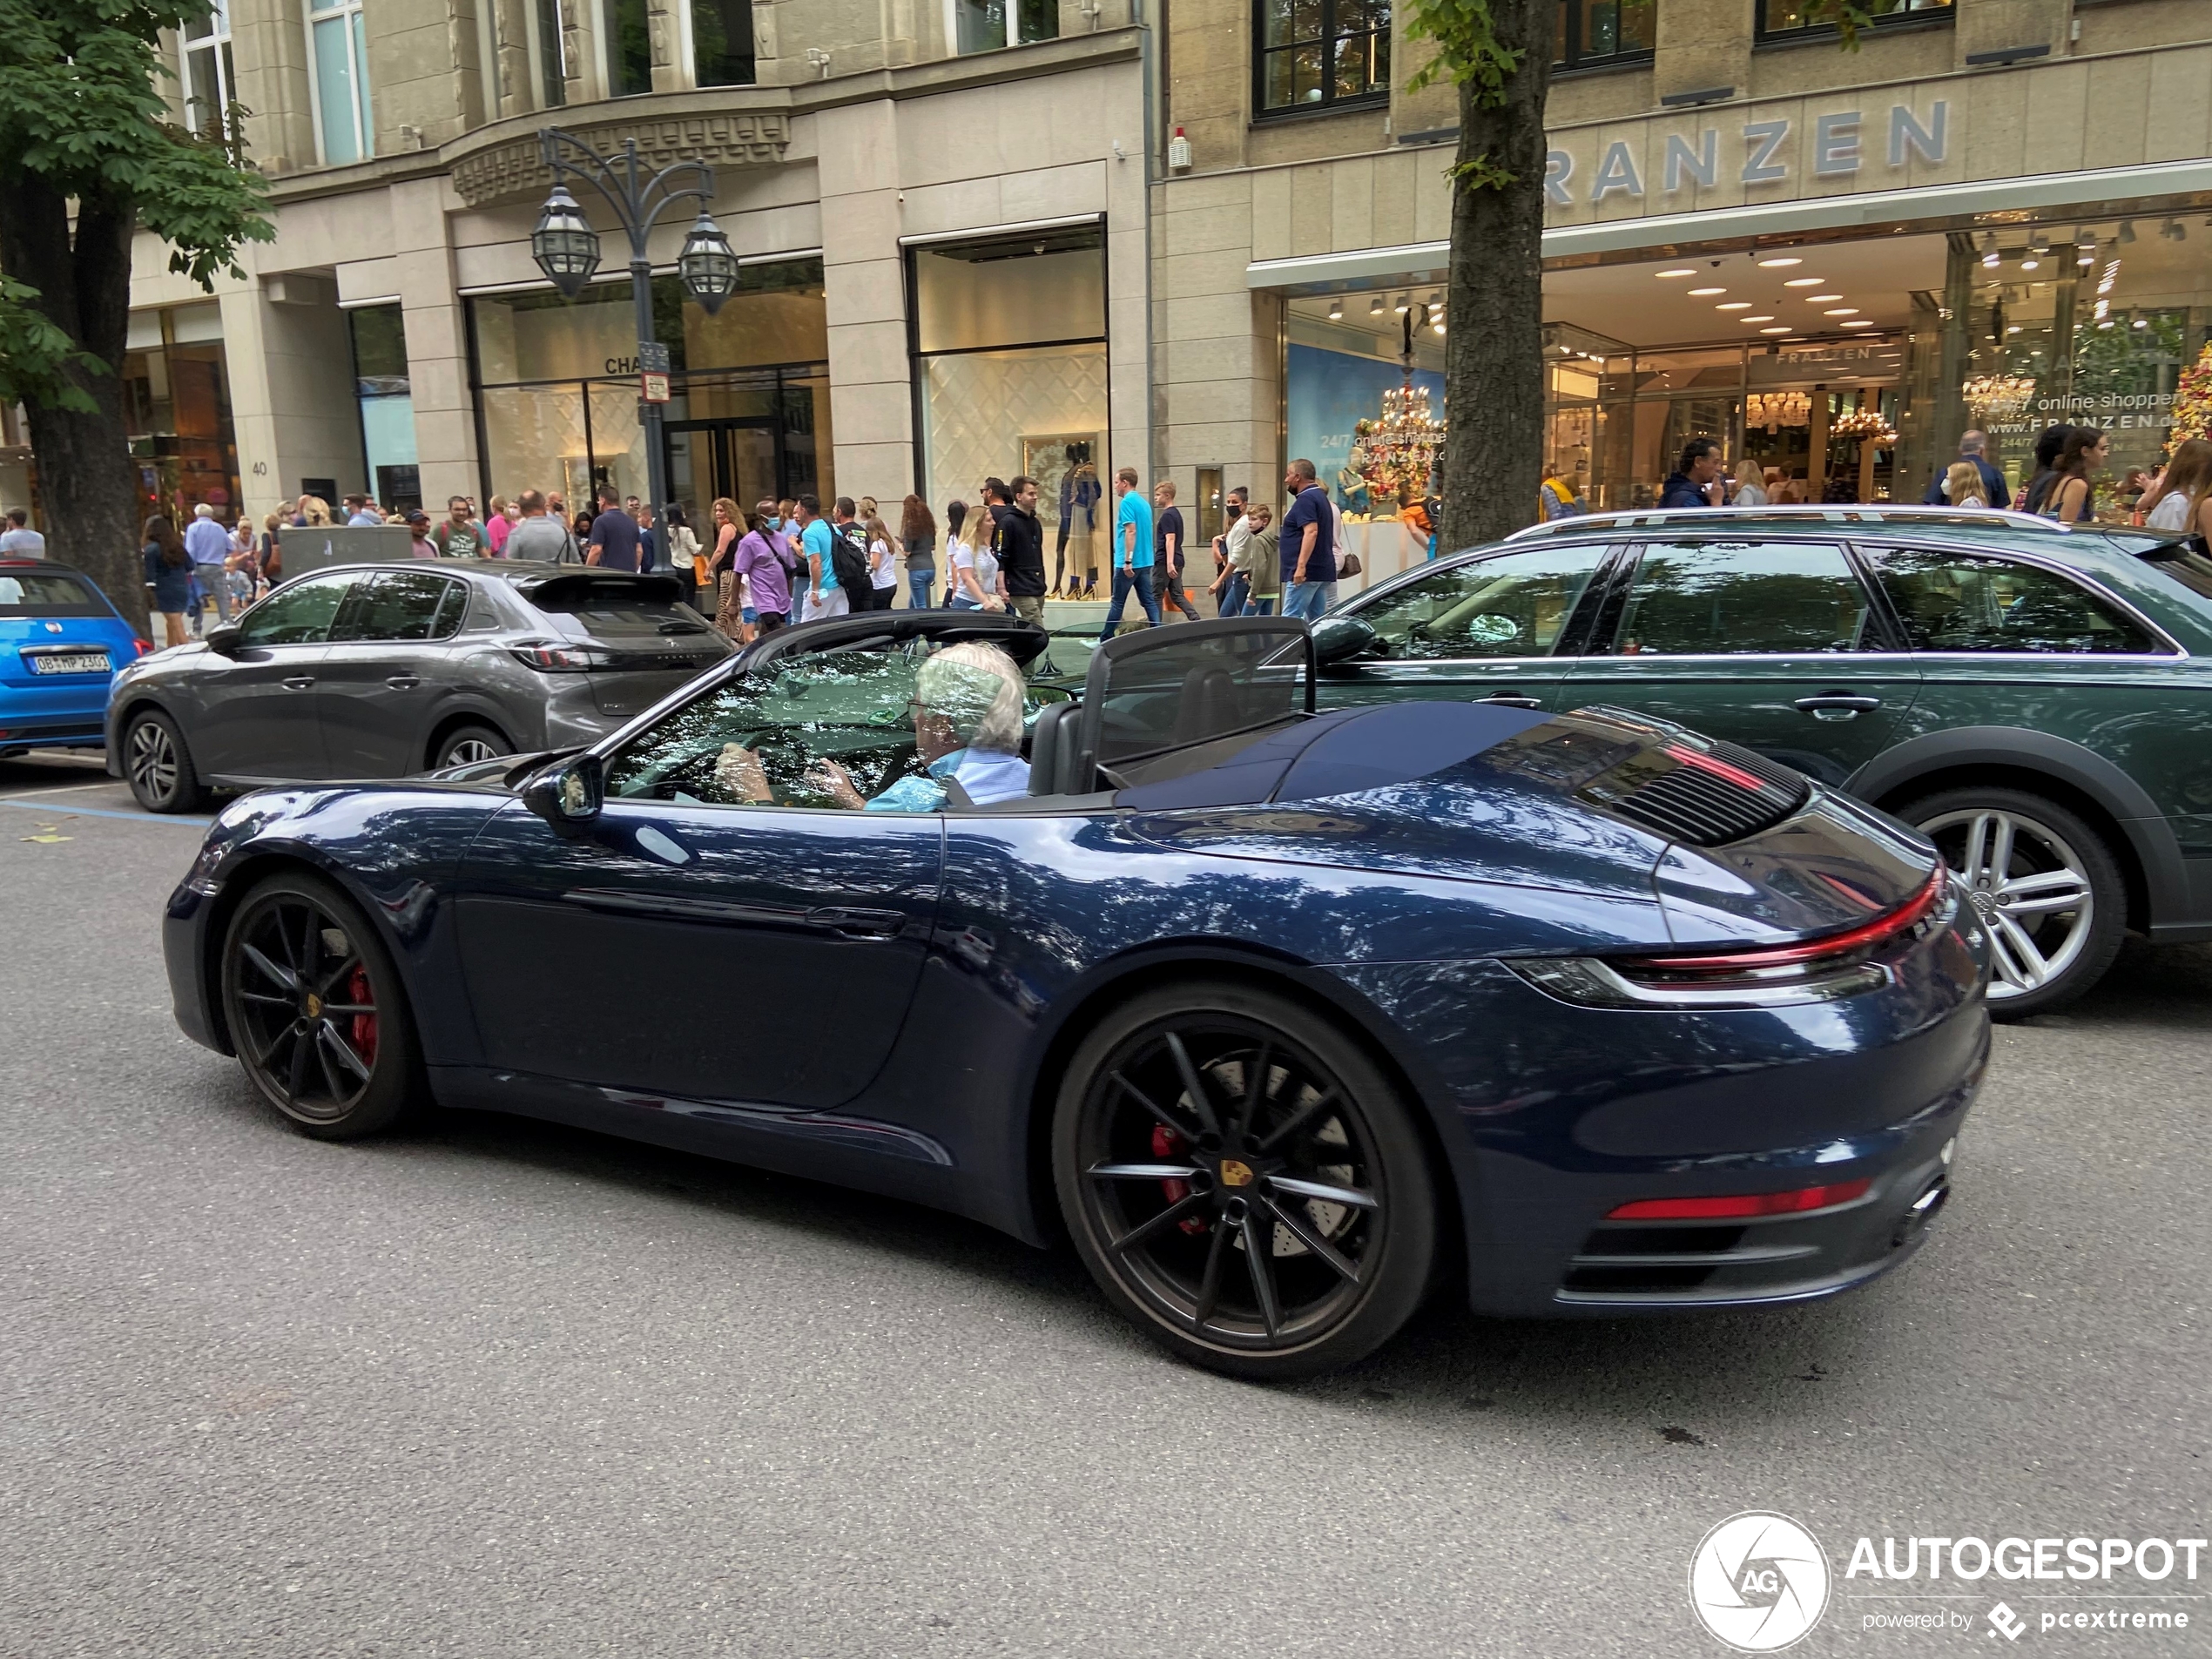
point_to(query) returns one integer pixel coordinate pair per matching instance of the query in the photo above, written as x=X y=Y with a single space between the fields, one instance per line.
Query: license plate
x=81 y=662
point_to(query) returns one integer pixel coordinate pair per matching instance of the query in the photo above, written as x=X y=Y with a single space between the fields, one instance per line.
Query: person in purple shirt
x=760 y=559
x=614 y=537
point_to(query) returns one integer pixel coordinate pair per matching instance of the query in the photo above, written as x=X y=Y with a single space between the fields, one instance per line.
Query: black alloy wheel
x=158 y=766
x=314 y=1009
x=465 y=746
x=1243 y=1182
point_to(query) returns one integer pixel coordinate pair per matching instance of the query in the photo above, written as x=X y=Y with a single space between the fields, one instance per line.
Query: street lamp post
x=567 y=250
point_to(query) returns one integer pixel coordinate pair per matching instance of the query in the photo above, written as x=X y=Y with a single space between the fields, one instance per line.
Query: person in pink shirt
x=504 y=515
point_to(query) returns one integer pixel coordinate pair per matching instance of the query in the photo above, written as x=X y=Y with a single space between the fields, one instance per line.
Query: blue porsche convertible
x=1283 y=1019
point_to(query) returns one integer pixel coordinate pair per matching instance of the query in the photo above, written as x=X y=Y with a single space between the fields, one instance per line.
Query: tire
x=2048 y=957
x=1168 y=1214
x=465 y=743
x=335 y=1070
x=159 y=765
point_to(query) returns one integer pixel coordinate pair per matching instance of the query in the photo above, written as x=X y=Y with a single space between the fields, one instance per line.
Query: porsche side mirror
x=222 y=639
x=1338 y=639
x=568 y=796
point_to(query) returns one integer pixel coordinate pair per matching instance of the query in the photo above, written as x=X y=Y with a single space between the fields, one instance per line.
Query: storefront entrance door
x=739 y=460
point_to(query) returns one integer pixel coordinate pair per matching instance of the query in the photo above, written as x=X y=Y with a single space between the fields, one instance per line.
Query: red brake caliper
x=1166 y=1144
x=364 y=1024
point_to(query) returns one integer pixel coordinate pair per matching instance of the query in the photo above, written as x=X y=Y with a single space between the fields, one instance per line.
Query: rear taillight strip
x=1865 y=936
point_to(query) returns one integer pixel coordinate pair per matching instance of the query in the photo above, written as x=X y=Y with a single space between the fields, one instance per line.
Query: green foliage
x=1467 y=52
x=38 y=362
x=1849 y=17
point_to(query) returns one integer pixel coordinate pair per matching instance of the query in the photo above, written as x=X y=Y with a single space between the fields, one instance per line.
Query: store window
x=722 y=42
x=552 y=55
x=1319 y=54
x=386 y=399
x=177 y=411
x=344 y=131
x=749 y=416
x=986 y=25
x=210 y=84
x=1791 y=19
x=629 y=48
x=1009 y=372
x=1597 y=33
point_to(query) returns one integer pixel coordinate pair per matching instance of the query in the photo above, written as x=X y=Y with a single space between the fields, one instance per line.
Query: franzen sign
x=1835 y=146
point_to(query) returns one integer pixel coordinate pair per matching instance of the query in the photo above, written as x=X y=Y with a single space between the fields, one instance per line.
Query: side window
x=1740 y=598
x=299 y=615
x=1514 y=604
x=1958 y=602
x=401 y=605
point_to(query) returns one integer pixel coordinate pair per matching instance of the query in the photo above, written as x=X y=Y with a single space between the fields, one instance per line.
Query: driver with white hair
x=968 y=707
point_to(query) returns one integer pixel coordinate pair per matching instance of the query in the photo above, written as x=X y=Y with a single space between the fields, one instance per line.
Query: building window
x=210 y=85
x=1319 y=54
x=552 y=56
x=340 y=85
x=1595 y=32
x=629 y=49
x=981 y=25
x=1796 y=19
x=386 y=397
x=722 y=42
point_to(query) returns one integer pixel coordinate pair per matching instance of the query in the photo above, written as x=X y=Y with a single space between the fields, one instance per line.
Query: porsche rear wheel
x=1243 y=1182
x=315 y=1011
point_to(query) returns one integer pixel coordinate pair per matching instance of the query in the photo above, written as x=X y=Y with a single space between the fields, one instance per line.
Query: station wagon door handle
x=402 y=682
x=858 y=924
x=298 y=682
x=1844 y=701
x=1508 y=698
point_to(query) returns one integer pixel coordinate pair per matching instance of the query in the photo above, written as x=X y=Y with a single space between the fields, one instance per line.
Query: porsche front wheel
x=1243 y=1182
x=315 y=1011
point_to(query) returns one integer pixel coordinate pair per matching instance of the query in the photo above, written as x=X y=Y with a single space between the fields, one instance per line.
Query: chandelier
x=1776 y=409
x=1865 y=423
x=1399 y=449
x=1999 y=397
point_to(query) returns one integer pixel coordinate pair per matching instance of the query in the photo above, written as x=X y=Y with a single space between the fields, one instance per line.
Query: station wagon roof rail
x=1861 y=513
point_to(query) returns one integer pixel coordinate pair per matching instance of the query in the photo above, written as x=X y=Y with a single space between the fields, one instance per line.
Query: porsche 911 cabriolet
x=1283 y=1019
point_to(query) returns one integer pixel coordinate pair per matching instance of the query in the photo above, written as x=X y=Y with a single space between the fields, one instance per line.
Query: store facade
x=1832 y=263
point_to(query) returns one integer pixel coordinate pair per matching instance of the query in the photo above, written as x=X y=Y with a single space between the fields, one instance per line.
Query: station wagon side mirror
x=222 y=639
x=568 y=796
x=1338 y=639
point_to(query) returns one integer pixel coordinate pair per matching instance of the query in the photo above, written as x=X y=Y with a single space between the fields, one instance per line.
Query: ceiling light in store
x=1765 y=318
x=2039 y=243
x=2107 y=323
x=1436 y=299
x=2173 y=230
x=1860 y=324
x=1336 y=311
x=1842 y=311
x=1706 y=294
x=2085 y=247
x=1989 y=249
x=1805 y=282
x=1679 y=271
x=1789 y=258
x=1405 y=303
x=1437 y=326
x=1774 y=331
x=1376 y=308
x=2140 y=322
x=1733 y=305
x=1821 y=299
x=2127 y=231
x=2012 y=328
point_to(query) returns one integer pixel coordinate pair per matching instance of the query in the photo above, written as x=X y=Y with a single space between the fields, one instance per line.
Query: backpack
x=849 y=558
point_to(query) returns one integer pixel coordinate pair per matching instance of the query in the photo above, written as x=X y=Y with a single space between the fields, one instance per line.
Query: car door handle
x=1511 y=699
x=1856 y=703
x=298 y=682
x=402 y=682
x=858 y=924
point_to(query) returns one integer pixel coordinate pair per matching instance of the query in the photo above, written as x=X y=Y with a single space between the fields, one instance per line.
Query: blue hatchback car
x=1283 y=1018
x=61 y=642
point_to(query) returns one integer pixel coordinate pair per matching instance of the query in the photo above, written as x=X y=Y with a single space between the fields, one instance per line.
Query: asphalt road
x=499 y=1388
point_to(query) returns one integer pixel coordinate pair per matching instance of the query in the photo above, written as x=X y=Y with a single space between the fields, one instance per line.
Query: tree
x=1498 y=54
x=88 y=156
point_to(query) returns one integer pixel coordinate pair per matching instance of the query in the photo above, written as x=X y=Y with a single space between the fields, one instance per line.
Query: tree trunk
x=87 y=481
x=1493 y=345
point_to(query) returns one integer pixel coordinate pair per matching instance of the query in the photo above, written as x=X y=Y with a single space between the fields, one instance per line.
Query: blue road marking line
x=103 y=811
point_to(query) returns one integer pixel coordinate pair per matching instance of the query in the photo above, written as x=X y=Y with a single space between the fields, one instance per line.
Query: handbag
x=1349 y=565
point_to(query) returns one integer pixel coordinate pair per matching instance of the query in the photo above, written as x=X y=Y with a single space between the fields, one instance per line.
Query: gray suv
x=380 y=671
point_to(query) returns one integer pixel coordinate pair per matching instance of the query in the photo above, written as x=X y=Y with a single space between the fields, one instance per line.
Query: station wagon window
x=1741 y=598
x=1513 y=605
x=1957 y=602
x=403 y=604
x=299 y=615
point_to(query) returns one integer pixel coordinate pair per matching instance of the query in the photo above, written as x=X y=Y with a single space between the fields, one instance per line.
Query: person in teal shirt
x=1132 y=553
x=824 y=596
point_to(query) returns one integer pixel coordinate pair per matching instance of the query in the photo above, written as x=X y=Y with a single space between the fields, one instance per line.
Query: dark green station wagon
x=2036 y=700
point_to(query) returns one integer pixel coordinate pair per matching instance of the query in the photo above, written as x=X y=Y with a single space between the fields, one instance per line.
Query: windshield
x=2184 y=561
x=1183 y=687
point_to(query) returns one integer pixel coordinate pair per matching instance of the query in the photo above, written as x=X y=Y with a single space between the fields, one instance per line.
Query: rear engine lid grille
x=1705 y=794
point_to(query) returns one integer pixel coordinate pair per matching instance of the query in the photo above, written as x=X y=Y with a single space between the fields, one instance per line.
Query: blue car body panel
x=56 y=711
x=887 y=1001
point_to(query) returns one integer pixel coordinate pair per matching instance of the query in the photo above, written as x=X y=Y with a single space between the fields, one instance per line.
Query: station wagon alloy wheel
x=1247 y=1185
x=2043 y=885
x=308 y=995
x=157 y=766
